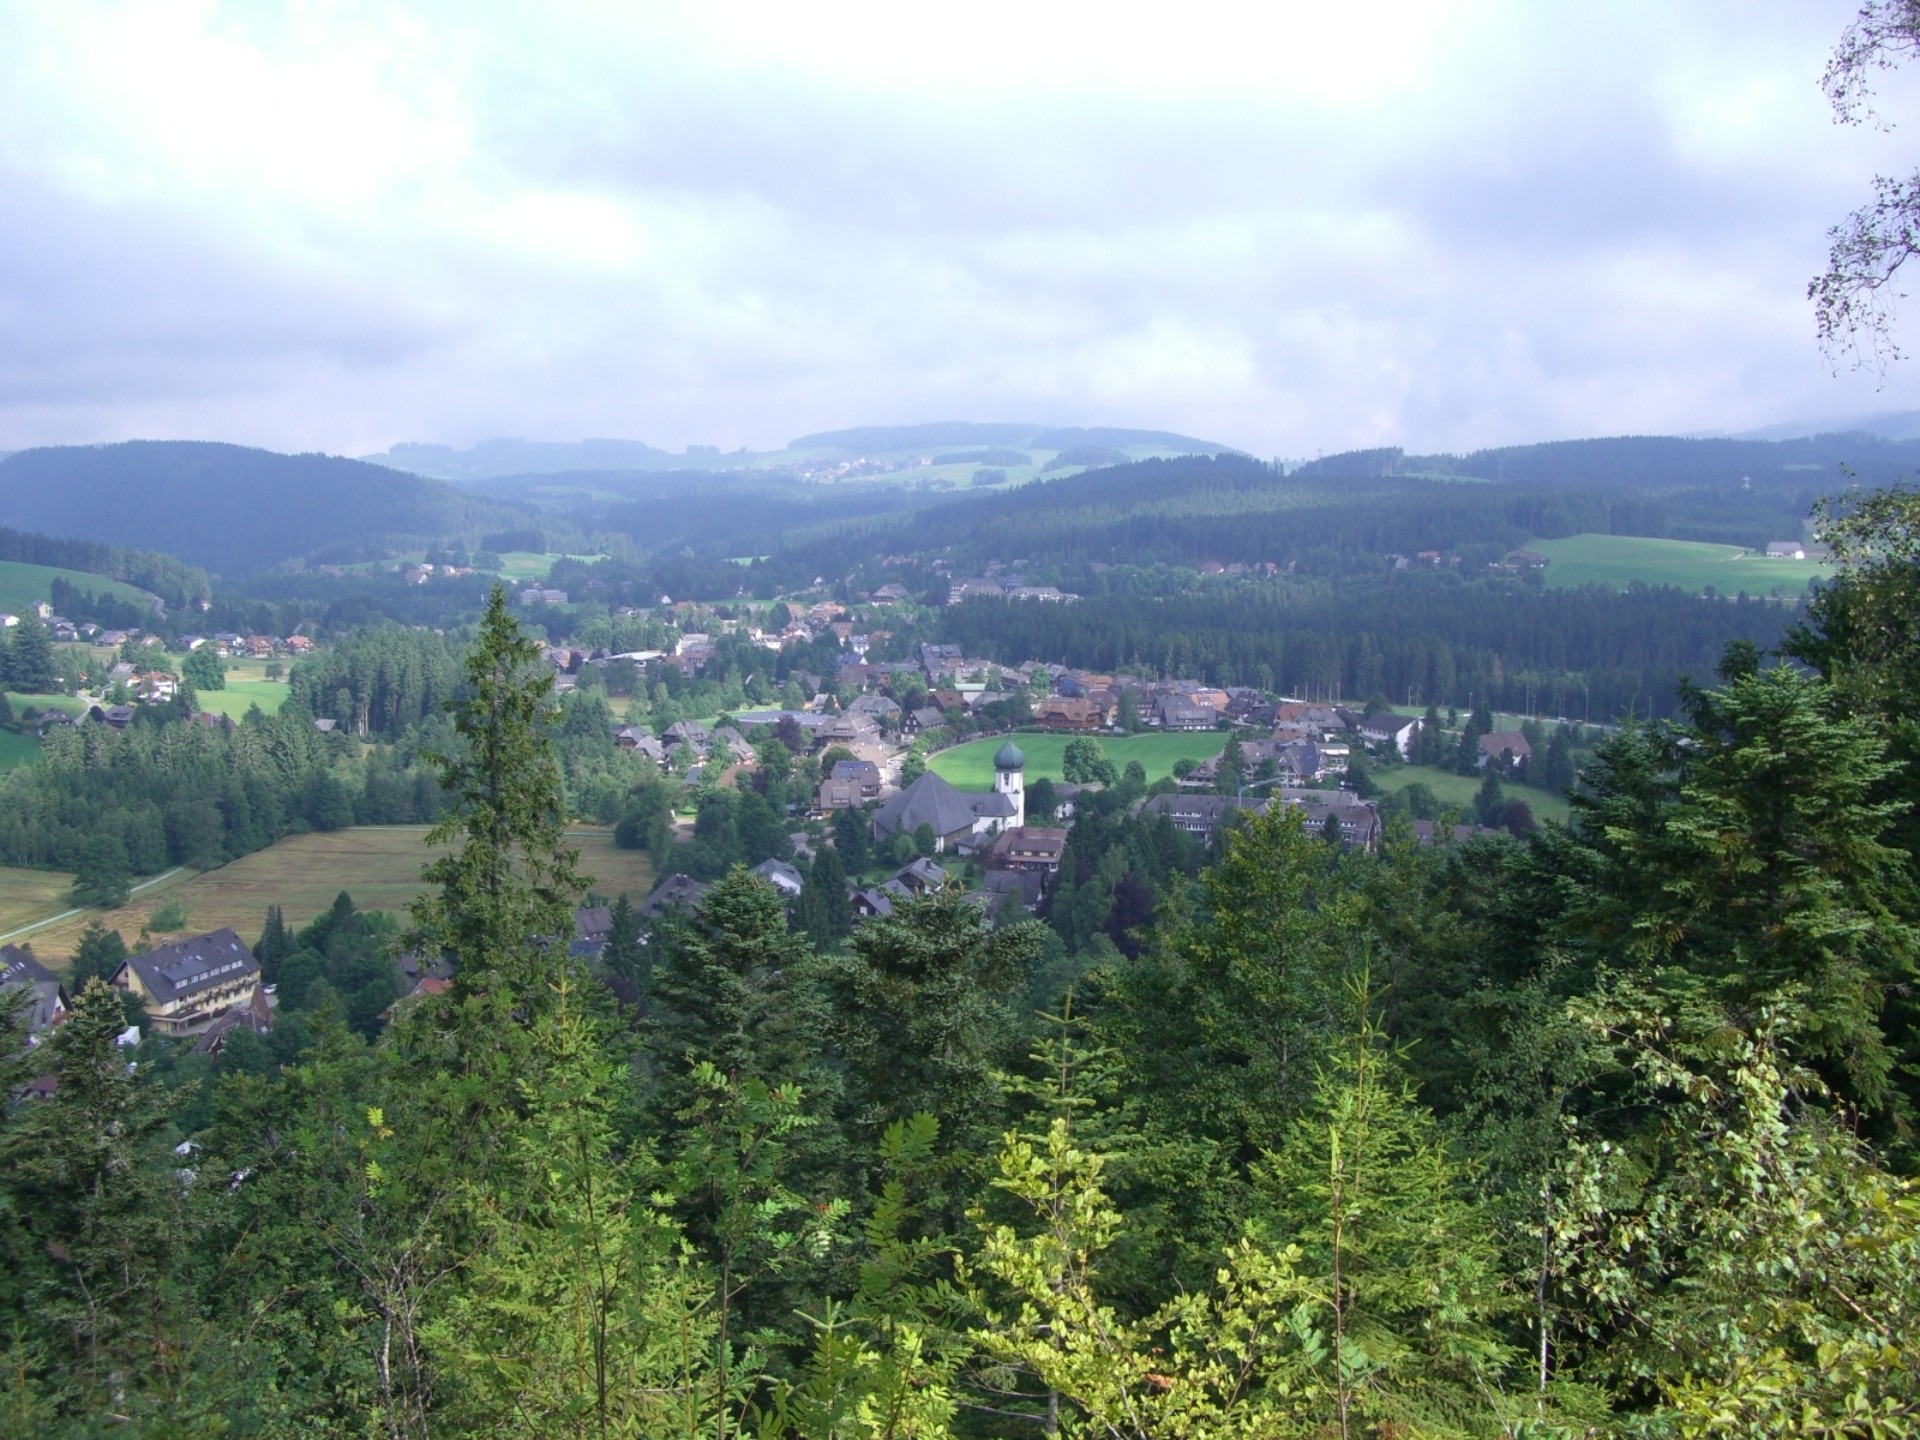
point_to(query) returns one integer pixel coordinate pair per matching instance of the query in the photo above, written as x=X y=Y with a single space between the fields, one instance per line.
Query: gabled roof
x=169 y=972
x=46 y=1002
x=927 y=801
x=674 y=890
x=782 y=876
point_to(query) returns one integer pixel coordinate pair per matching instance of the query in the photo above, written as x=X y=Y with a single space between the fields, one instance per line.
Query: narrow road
x=78 y=909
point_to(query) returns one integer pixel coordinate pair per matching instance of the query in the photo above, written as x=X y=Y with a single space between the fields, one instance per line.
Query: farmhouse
x=1786 y=550
x=1387 y=728
x=1504 y=748
x=186 y=985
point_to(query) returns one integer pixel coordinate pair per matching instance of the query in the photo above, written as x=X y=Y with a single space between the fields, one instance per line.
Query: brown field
x=378 y=865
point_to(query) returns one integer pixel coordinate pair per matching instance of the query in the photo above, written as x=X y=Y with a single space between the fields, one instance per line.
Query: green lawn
x=1460 y=790
x=970 y=766
x=21 y=584
x=239 y=695
x=518 y=565
x=1618 y=560
x=17 y=749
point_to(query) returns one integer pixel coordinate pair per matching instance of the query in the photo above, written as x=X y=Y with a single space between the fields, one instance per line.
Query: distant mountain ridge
x=235 y=510
x=511 y=458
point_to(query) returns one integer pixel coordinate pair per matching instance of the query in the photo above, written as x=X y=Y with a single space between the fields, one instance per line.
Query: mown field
x=518 y=565
x=17 y=749
x=247 y=685
x=21 y=584
x=970 y=766
x=379 y=866
x=1461 y=790
x=1618 y=560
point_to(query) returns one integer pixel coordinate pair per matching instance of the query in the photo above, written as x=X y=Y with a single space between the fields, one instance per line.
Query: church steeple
x=1008 y=780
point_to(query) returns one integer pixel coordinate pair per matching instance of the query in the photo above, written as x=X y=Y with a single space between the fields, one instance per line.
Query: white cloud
x=337 y=225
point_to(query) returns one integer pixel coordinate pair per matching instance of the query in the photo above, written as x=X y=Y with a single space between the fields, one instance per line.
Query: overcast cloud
x=336 y=226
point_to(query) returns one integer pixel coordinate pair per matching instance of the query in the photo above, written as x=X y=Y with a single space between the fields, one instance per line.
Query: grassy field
x=30 y=895
x=17 y=749
x=1461 y=789
x=247 y=685
x=1618 y=560
x=518 y=565
x=970 y=766
x=21 y=584
x=378 y=866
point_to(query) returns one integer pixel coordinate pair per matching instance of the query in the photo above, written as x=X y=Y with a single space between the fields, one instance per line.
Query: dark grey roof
x=592 y=920
x=927 y=801
x=185 y=967
x=674 y=890
x=20 y=971
x=992 y=806
x=780 y=875
x=1008 y=757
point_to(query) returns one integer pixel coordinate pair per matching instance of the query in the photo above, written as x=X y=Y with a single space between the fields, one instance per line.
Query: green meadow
x=970 y=766
x=1461 y=790
x=1619 y=560
x=21 y=584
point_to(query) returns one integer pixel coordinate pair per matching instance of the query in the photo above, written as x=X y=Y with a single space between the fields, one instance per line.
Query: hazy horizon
x=1454 y=225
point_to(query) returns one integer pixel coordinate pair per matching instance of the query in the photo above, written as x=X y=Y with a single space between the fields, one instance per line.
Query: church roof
x=927 y=801
x=1008 y=757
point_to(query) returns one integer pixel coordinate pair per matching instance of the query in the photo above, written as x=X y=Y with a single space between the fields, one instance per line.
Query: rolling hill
x=236 y=510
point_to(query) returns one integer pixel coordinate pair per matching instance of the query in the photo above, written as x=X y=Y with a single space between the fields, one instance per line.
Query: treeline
x=176 y=583
x=236 y=510
x=167 y=792
x=1417 y=638
x=1604 y=1132
x=1231 y=509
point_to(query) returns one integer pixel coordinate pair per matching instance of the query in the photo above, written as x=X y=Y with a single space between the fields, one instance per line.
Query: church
x=961 y=821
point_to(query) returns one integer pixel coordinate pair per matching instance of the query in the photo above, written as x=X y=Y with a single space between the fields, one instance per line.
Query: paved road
x=69 y=914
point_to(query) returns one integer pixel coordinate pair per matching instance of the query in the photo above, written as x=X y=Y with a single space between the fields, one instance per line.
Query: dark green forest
x=1606 y=1131
x=235 y=510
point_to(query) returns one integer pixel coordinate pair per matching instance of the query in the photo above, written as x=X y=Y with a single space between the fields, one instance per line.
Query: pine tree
x=502 y=903
x=29 y=657
x=272 y=946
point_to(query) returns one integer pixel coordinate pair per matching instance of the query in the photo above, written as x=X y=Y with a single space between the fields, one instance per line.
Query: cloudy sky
x=335 y=226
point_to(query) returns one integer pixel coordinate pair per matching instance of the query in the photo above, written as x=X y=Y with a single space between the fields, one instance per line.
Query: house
x=1201 y=815
x=1064 y=713
x=1786 y=550
x=593 y=926
x=688 y=732
x=1022 y=887
x=115 y=716
x=1526 y=560
x=1387 y=728
x=920 y=877
x=851 y=784
x=671 y=893
x=1505 y=748
x=874 y=707
x=632 y=737
x=1028 y=847
x=1176 y=712
x=918 y=722
x=254 y=1015
x=782 y=876
x=46 y=1003
x=189 y=983
x=846 y=729
x=871 y=904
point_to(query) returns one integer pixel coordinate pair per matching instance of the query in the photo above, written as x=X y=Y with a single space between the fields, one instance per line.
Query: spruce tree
x=502 y=904
x=29 y=658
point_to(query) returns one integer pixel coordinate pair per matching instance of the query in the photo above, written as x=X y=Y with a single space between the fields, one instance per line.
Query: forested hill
x=1189 y=510
x=235 y=510
x=162 y=575
x=948 y=433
